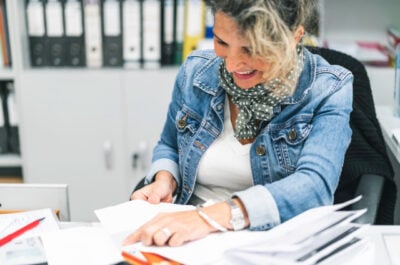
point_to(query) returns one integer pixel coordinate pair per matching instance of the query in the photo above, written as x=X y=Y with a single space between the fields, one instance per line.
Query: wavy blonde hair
x=269 y=26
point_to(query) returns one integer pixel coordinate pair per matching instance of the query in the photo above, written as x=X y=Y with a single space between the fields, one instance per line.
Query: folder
x=179 y=22
x=131 y=28
x=55 y=32
x=74 y=36
x=167 y=32
x=5 y=51
x=194 y=25
x=3 y=129
x=151 y=33
x=12 y=120
x=93 y=39
x=37 y=32
x=112 y=32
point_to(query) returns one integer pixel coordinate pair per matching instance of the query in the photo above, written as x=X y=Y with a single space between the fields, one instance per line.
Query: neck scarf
x=257 y=103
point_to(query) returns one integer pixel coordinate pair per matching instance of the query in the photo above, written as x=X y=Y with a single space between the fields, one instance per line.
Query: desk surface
x=389 y=122
x=379 y=237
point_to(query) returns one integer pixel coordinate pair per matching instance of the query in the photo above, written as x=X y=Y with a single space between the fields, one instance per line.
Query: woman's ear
x=299 y=33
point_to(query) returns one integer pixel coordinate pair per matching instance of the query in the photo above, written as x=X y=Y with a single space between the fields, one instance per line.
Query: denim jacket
x=297 y=157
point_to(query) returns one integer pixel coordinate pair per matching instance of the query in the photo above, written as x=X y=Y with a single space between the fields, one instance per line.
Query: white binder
x=131 y=22
x=151 y=33
x=93 y=38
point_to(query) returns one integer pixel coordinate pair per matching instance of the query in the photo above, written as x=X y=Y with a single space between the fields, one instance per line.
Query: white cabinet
x=73 y=124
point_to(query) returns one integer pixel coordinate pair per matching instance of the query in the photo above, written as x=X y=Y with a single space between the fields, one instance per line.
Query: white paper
x=123 y=219
x=80 y=245
x=14 y=221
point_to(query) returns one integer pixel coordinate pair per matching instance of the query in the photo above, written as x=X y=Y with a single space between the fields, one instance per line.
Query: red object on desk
x=151 y=259
x=20 y=231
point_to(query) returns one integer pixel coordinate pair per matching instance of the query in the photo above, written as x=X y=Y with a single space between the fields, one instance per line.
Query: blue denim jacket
x=297 y=157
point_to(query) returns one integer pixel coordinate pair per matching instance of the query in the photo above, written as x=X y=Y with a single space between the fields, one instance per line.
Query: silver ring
x=166 y=232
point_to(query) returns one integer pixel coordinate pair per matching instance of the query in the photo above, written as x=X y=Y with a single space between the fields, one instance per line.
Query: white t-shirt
x=225 y=166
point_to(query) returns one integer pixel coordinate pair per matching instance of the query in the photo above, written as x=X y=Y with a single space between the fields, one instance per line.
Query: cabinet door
x=147 y=95
x=72 y=133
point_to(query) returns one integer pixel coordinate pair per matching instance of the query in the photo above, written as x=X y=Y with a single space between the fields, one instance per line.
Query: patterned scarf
x=257 y=103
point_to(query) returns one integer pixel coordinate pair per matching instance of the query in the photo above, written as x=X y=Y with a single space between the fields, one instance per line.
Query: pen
x=20 y=231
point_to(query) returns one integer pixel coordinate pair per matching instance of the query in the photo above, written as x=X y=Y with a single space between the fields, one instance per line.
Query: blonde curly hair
x=269 y=26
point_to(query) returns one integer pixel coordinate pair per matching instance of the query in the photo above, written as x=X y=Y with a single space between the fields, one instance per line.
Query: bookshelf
x=82 y=126
x=10 y=162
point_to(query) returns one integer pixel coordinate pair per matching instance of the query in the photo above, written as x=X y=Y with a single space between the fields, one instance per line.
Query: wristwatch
x=237 y=217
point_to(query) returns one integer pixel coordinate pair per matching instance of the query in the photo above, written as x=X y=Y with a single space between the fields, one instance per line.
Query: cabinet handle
x=107 y=148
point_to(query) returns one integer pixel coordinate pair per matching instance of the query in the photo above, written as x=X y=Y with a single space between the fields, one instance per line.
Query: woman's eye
x=220 y=42
x=247 y=50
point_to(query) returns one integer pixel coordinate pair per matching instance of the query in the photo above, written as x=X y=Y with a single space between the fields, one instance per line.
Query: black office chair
x=367 y=169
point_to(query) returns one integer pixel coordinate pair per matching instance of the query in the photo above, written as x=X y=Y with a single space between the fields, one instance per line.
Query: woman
x=260 y=127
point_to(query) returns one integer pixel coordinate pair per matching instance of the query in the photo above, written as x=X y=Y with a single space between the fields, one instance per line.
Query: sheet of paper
x=80 y=245
x=124 y=218
x=23 y=251
x=14 y=221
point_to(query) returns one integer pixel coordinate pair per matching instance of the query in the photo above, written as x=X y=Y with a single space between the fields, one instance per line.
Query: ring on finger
x=166 y=232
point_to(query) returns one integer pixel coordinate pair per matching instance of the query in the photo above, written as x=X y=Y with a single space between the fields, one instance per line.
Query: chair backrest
x=367 y=151
x=23 y=196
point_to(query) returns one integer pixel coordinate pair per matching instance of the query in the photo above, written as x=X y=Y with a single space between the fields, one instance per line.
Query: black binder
x=11 y=119
x=36 y=25
x=74 y=33
x=3 y=119
x=111 y=21
x=167 y=32
x=55 y=32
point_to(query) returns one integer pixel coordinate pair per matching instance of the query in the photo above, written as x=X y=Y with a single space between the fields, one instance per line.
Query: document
x=27 y=248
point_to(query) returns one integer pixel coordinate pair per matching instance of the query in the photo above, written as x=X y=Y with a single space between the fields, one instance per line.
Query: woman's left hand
x=177 y=228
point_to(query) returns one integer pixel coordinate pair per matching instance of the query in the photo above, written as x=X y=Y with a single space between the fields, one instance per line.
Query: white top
x=225 y=166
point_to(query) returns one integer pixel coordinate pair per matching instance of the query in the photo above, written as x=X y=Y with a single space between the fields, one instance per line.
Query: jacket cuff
x=261 y=208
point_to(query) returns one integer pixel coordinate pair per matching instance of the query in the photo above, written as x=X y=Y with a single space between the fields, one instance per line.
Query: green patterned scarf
x=257 y=103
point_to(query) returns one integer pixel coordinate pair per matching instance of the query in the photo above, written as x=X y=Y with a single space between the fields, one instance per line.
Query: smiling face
x=229 y=44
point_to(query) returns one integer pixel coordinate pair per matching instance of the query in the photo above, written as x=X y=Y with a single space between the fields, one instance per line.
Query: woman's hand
x=161 y=190
x=174 y=229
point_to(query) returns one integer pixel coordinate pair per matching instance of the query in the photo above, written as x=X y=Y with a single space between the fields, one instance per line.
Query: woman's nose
x=235 y=59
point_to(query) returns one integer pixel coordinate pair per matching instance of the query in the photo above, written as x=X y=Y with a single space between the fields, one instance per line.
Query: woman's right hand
x=161 y=190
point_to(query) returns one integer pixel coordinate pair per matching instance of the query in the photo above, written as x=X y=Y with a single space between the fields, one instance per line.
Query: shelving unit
x=10 y=163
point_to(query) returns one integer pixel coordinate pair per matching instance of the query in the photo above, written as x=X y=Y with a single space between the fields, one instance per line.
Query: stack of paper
x=312 y=237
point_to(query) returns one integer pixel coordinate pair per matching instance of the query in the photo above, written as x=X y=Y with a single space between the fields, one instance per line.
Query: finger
x=139 y=196
x=177 y=239
x=131 y=239
x=162 y=236
x=154 y=198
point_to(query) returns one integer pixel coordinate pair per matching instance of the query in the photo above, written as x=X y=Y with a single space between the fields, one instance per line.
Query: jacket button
x=260 y=150
x=292 y=134
x=181 y=124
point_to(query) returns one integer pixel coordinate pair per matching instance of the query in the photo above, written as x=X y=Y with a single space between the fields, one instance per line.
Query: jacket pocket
x=187 y=123
x=288 y=139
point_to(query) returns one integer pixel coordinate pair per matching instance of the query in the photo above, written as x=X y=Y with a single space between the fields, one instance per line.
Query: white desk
x=378 y=234
x=389 y=122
